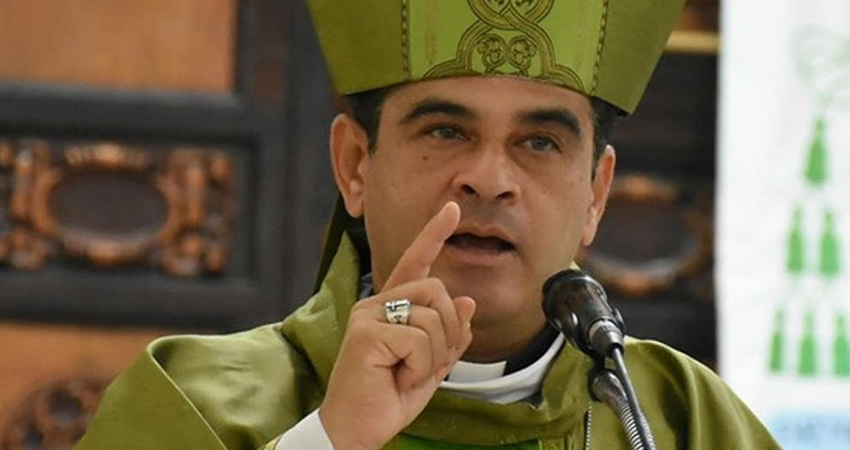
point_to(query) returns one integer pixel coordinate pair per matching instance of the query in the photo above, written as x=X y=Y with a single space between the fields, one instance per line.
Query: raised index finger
x=415 y=263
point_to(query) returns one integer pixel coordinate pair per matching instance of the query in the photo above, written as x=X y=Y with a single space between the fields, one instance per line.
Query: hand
x=386 y=373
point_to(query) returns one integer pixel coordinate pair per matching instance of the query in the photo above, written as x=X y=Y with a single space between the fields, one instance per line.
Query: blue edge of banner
x=801 y=430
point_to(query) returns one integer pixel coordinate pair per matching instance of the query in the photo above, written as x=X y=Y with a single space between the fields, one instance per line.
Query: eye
x=446 y=132
x=541 y=144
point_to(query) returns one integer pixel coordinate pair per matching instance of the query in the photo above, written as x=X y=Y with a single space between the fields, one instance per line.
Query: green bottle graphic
x=816 y=163
x=796 y=252
x=841 y=348
x=830 y=259
x=777 y=343
x=808 y=347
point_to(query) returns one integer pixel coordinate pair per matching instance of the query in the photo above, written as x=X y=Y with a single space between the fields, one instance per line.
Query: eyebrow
x=431 y=106
x=557 y=116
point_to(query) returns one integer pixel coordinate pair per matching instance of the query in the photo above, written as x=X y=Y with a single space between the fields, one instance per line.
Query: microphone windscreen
x=576 y=304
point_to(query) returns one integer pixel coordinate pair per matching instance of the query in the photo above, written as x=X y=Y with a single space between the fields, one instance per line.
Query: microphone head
x=577 y=306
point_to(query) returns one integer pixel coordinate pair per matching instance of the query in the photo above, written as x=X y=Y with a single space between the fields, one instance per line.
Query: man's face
x=516 y=155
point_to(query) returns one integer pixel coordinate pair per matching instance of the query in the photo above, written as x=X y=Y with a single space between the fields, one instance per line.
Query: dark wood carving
x=55 y=417
x=112 y=204
x=650 y=237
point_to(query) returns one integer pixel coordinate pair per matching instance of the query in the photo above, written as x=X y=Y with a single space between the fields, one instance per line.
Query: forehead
x=490 y=95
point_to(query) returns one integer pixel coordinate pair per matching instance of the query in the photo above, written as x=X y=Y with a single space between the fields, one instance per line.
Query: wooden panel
x=654 y=234
x=160 y=44
x=672 y=131
x=60 y=364
x=269 y=51
x=700 y=15
x=654 y=243
x=114 y=204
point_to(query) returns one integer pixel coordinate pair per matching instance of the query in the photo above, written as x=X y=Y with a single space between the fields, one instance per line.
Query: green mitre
x=601 y=48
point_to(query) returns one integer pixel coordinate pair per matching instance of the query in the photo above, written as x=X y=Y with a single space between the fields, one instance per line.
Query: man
x=475 y=156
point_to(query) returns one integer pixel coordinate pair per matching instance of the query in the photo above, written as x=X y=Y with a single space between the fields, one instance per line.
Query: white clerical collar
x=488 y=382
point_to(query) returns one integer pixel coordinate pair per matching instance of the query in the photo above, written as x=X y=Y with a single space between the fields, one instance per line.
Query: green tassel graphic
x=796 y=251
x=808 y=347
x=841 y=348
x=816 y=163
x=830 y=260
x=777 y=343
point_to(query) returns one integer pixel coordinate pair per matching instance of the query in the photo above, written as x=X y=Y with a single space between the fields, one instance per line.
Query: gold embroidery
x=508 y=40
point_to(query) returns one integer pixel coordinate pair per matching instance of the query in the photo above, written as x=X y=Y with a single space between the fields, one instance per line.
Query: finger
x=465 y=307
x=431 y=293
x=416 y=261
x=429 y=320
x=425 y=318
x=411 y=348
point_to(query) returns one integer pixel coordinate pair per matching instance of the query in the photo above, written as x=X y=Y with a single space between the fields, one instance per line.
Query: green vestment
x=243 y=391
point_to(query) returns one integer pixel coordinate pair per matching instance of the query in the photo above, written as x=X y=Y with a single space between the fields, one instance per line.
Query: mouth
x=480 y=244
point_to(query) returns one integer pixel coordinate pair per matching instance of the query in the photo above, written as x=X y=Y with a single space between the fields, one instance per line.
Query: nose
x=489 y=174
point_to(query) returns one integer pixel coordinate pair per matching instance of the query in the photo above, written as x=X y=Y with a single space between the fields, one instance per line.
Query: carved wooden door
x=154 y=178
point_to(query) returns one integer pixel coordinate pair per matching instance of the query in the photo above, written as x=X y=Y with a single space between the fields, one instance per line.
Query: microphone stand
x=606 y=386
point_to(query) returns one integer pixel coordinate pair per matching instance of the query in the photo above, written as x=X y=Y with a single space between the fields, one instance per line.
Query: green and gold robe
x=242 y=391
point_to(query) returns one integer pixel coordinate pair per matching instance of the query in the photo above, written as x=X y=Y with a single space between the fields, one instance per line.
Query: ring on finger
x=398 y=311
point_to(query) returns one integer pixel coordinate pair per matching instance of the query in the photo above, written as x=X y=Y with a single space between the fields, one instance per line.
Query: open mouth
x=472 y=242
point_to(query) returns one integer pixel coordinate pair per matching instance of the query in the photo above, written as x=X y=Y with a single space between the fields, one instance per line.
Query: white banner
x=783 y=219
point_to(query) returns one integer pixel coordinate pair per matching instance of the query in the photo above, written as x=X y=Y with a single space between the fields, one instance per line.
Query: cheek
x=563 y=211
x=399 y=195
x=384 y=178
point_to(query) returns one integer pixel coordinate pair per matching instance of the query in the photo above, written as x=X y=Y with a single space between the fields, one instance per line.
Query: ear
x=350 y=160
x=600 y=187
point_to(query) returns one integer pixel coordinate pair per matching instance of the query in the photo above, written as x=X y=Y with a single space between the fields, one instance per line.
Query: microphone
x=576 y=305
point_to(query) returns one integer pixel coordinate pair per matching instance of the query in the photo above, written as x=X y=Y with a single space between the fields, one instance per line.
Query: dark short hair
x=365 y=107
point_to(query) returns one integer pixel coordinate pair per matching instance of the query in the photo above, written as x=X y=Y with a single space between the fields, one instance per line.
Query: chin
x=497 y=301
x=474 y=283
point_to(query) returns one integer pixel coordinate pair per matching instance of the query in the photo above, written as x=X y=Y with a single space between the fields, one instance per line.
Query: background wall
x=163 y=169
